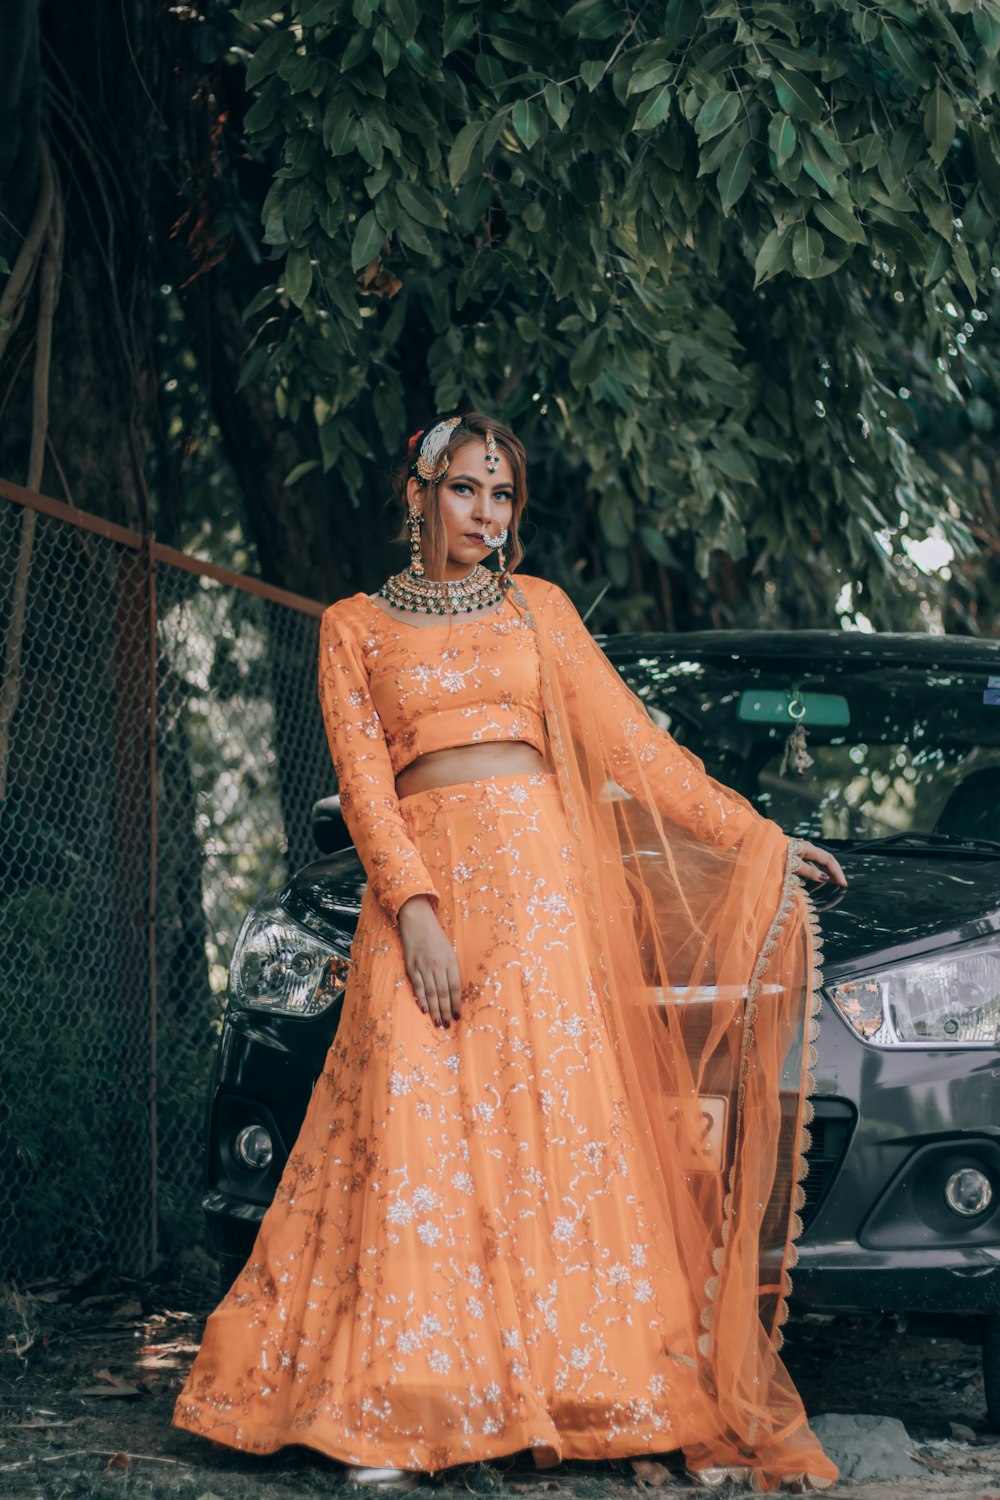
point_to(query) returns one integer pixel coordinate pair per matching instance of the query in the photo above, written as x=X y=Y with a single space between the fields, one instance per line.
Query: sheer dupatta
x=705 y=949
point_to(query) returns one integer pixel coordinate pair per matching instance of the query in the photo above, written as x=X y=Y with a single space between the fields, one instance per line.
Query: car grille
x=831 y=1129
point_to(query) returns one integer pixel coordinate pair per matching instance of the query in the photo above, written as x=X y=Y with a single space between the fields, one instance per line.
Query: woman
x=545 y=1192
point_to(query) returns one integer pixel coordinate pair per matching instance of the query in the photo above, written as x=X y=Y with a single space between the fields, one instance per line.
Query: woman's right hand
x=431 y=961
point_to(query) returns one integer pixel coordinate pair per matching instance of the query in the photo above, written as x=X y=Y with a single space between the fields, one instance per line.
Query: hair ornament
x=411 y=442
x=430 y=467
x=492 y=453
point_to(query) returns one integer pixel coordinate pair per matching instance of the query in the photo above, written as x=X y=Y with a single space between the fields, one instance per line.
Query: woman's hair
x=473 y=425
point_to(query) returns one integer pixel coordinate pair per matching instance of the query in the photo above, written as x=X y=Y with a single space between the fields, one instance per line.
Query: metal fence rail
x=160 y=750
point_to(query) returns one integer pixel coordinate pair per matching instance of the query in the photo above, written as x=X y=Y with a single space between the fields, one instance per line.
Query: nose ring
x=495 y=542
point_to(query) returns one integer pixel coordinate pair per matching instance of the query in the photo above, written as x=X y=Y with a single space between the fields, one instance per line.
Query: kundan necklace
x=443 y=596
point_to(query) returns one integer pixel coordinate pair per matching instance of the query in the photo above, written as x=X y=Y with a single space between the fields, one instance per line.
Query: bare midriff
x=469 y=763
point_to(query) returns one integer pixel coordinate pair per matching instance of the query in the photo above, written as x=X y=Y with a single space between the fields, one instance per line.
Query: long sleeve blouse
x=391 y=691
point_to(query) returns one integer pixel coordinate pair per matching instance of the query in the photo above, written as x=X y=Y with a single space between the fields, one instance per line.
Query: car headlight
x=278 y=966
x=947 y=999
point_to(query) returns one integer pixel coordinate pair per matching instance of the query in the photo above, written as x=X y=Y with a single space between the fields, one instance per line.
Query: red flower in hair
x=412 y=442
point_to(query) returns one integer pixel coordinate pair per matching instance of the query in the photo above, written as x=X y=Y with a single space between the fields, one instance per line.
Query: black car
x=896 y=767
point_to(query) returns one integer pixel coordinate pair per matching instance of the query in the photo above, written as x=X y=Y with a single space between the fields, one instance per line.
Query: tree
x=727 y=268
x=696 y=254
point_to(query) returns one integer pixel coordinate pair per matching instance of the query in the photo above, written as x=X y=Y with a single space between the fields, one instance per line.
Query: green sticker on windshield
x=992 y=693
x=767 y=706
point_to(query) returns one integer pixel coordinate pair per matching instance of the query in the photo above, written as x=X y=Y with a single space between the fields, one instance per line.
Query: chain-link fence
x=160 y=750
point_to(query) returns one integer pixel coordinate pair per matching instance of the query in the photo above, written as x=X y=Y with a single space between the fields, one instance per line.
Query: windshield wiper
x=922 y=843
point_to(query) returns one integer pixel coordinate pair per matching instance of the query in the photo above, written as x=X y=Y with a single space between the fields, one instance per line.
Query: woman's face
x=471 y=502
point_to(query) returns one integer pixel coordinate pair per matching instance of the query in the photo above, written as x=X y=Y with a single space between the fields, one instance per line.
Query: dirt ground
x=89 y=1371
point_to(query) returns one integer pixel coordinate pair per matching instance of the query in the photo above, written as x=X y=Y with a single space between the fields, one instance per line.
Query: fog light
x=253 y=1147
x=968 y=1192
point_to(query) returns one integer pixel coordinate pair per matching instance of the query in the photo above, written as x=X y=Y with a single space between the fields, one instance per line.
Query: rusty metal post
x=151 y=915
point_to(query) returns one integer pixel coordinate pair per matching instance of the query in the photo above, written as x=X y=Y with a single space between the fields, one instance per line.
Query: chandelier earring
x=415 y=521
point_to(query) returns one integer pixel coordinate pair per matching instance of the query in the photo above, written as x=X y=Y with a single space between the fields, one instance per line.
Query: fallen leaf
x=113 y=1380
x=46 y=1422
x=117 y=1461
x=130 y=1309
x=113 y=1387
x=931 y=1463
x=650 y=1474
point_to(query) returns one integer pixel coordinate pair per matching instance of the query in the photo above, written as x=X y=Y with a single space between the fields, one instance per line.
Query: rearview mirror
x=767 y=706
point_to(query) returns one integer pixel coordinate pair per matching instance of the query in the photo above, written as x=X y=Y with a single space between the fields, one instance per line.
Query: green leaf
x=298 y=275
x=718 y=112
x=901 y=52
x=460 y=155
x=411 y=234
x=797 y=96
x=793 y=57
x=588 y=360
x=387 y=47
x=402 y=16
x=645 y=78
x=300 y=469
x=367 y=243
x=987 y=161
x=732 y=463
x=781 y=138
x=534 y=217
x=986 y=23
x=869 y=150
x=527 y=120
x=558 y=102
x=654 y=108
x=592 y=72
x=774 y=256
x=963 y=265
x=734 y=176
x=268 y=55
x=658 y=547
x=818 y=165
x=261 y=112
x=457 y=29
x=263 y=299
x=300 y=209
x=609 y=513
x=419 y=204
x=939 y=124
x=595 y=19
x=838 y=218
x=807 y=250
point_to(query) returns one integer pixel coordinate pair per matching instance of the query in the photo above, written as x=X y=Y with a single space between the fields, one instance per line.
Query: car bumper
x=852 y=1279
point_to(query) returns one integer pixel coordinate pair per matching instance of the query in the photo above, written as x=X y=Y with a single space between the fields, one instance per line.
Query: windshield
x=894 y=748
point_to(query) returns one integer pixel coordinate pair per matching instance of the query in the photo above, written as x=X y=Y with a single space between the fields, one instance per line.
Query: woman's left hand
x=819 y=864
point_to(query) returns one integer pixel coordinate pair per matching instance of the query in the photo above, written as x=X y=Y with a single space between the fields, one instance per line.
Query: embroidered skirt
x=463 y=1258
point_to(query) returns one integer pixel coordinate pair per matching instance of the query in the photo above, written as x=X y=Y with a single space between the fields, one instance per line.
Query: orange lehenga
x=568 y=1222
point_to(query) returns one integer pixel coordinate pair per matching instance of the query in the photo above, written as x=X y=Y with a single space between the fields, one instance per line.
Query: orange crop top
x=391 y=691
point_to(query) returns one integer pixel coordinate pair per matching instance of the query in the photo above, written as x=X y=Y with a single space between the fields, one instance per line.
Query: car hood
x=899 y=905
x=896 y=906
